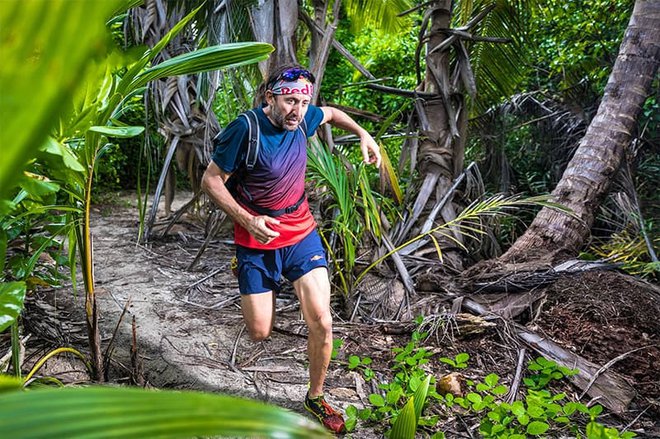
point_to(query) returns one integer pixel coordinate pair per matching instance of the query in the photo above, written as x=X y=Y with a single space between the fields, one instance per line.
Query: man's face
x=287 y=111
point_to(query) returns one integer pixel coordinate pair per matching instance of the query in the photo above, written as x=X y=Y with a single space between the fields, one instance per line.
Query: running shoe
x=329 y=417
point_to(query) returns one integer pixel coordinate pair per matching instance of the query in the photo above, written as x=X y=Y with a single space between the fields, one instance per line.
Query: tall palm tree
x=587 y=178
x=457 y=64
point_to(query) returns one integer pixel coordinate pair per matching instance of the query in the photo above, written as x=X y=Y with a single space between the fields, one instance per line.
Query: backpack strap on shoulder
x=253 y=139
x=303 y=126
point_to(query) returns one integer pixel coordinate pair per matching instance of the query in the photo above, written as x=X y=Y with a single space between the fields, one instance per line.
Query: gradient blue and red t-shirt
x=277 y=180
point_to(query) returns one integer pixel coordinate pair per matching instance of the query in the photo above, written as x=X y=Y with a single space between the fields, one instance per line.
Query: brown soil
x=604 y=316
x=190 y=333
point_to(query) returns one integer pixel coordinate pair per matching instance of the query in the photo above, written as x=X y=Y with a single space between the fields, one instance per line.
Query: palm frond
x=379 y=14
x=204 y=60
x=35 y=37
x=495 y=205
x=97 y=411
x=498 y=67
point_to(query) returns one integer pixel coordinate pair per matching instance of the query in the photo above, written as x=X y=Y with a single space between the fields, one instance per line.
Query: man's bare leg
x=313 y=291
x=258 y=314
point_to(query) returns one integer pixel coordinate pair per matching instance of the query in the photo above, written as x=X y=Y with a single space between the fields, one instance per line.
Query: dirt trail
x=189 y=327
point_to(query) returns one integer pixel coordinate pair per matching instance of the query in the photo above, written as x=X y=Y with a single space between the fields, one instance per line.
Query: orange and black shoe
x=329 y=417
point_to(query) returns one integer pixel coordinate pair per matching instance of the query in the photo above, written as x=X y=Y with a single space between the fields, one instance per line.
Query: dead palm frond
x=556 y=130
x=468 y=223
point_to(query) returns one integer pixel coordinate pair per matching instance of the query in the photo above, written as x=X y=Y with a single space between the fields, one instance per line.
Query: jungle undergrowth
x=538 y=411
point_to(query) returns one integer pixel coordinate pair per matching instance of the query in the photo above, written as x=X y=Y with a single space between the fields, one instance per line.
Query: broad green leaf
x=38 y=185
x=376 y=400
x=118 y=132
x=462 y=357
x=596 y=410
x=204 y=60
x=537 y=428
x=491 y=379
x=474 y=397
x=535 y=411
x=52 y=146
x=3 y=251
x=405 y=425
x=392 y=397
x=500 y=390
x=414 y=381
x=126 y=85
x=9 y=383
x=102 y=412
x=420 y=396
x=6 y=206
x=45 y=47
x=12 y=295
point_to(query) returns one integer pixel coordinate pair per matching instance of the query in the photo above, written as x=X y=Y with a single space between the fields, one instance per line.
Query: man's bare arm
x=368 y=146
x=213 y=183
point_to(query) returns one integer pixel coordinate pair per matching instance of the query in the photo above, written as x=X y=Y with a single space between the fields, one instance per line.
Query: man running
x=274 y=230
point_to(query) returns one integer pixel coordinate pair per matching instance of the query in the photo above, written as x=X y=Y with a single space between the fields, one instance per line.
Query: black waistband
x=273 y=213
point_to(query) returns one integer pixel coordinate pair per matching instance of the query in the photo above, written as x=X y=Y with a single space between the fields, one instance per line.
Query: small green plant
x=337 y=343
x=409 y=378
x=458 y=362
x=546 y=371
x=362 y=364
x=539 y=413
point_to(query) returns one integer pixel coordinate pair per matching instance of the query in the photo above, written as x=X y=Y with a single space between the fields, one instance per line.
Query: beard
x=289 y=123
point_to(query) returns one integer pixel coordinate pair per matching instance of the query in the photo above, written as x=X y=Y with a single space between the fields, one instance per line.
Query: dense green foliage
x=576 y=41
x=541 y=411
x=62 y=140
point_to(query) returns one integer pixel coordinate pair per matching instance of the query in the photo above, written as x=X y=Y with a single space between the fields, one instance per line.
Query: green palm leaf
x=108 y=412
x=207 y=59
x=379 y=14
x=406 y=423
x=499 y=68
x=41 y=72
x=420 y=396
x=12 y=295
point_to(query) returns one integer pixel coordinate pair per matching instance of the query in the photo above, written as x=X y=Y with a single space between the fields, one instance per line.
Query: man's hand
x=370 y=149
x=368 y=146
x=258 y=227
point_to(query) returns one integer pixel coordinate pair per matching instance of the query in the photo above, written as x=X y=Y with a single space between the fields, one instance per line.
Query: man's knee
x=321 y=323
x=259 y=333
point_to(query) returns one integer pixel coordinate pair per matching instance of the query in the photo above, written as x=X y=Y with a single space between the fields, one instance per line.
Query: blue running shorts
x=260 y=271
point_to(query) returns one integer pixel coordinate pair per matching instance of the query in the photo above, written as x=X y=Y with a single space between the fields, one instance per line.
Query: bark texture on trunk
x=589 y=174
x=439 y=150
x=275 y=22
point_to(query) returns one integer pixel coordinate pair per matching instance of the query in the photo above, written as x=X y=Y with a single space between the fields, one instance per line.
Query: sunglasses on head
x=295 y=73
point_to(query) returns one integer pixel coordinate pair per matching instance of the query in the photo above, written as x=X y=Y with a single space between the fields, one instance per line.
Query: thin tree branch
x=607 y=366
x=516 y=380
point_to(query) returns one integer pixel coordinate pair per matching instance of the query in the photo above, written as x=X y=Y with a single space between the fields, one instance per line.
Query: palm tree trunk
x=440 y=148
x=588 y=176
x=275 y=22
